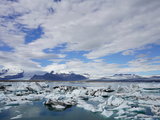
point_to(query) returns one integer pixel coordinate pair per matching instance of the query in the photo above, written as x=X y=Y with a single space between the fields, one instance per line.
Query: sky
x=98 y=37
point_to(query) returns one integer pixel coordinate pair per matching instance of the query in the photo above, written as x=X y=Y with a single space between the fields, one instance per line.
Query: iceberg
x=115 y=101
x=107 y=113
x=122 y=102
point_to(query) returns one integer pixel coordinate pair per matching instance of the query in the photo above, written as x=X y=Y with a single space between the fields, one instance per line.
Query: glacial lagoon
x=87 y=101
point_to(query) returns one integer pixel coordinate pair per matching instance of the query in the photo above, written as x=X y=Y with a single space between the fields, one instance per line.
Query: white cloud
x=101 y=27
x=95 y=69
x=128 y=52
x=99 y=68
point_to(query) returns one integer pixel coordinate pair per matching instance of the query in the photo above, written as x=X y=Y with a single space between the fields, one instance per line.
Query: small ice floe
x=42 y=84
x=79 y=92
x=156 y=109
x=2 y=97
x=122 y=89
x=58 y=107
x=34 y=88
x=124 y=105
x=115 y=101
x=33 y=97
x=98 y=99
x=137 y=109
x=149 y=100
x=60 y=103
x=17 y=87
x=121 y=112
x=90 y=107
x=107 y=113
x=144 y=117
x=96 y=92
x=16 y=117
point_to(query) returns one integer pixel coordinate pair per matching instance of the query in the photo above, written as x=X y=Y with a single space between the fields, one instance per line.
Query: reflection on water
x=37 y=111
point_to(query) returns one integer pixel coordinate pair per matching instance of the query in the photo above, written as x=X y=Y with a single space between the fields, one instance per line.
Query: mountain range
x=59 y=76
x=8 y=74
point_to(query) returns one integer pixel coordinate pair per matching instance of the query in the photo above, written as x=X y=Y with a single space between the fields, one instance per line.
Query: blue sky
x=101 y=37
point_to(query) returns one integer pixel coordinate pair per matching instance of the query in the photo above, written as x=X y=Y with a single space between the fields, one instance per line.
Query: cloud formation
x=98 y=27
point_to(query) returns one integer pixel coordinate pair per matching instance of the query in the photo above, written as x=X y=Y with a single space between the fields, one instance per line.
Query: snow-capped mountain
x=8 y=74
x=3 y=71
x=16 y=74
x=59 y=76
x=125 y=76
x=19 y=74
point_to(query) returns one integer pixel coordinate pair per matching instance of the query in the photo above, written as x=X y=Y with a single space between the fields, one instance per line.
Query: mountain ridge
x=7 y=74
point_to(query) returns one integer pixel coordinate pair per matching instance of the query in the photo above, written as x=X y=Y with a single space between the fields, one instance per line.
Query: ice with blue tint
x=79 y=100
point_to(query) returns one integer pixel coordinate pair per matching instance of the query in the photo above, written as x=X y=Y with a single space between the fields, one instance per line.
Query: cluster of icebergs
x=128 y=102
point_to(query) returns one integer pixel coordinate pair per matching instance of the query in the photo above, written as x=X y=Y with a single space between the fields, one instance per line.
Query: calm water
x=37 y=111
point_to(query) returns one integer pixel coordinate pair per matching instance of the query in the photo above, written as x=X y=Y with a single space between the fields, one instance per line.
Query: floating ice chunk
x=105 y=94
x=121 y=112
x=115 y=101
x=149 y=101
x=51 y=96
x=123 y=89
x=19 y=86
x=58 y=107
x=60 y=103
x=98 y=99
x=107 y=113
x=42 y=84
x=34 y=87
x=2 y=96
x=12 y=103
x=17 y=117
x=102 y=93
x=124 y=105
x=137 y=94
x=33 y=97
x=137 y=109
x=134 y=87
x=78 y=92
x=101 y=107
x=144 y=117
x=70 y=101
x=123 y=117
x=156 y=109
x=87 y=106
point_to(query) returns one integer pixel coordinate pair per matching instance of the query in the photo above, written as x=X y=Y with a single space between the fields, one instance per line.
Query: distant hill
x=59 y=77
x=127 y=78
